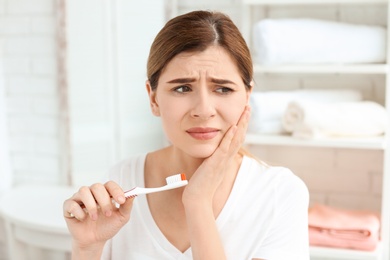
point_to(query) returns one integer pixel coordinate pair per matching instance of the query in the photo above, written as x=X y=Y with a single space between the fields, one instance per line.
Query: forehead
x=214 y=59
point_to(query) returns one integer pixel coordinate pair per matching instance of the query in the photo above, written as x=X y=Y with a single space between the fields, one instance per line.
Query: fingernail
x=234 y=130
x=94 y=216
x=121 y=199
x=248 y=112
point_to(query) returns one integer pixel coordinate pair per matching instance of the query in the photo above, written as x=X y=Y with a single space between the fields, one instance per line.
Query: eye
x=224 y=90
x=182 y=89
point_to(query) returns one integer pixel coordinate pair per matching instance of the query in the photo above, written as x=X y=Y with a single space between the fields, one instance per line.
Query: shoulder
x=278 y=180
x=286 y=179
x=281 y=195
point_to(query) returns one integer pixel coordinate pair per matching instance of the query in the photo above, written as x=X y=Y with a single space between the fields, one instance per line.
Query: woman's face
x=199 y=97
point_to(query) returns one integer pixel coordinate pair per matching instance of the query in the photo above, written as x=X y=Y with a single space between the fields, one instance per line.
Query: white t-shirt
x=264 y=217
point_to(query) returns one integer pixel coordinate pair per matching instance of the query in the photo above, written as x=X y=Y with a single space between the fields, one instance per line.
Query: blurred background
x=72 y=91
x=73 y=102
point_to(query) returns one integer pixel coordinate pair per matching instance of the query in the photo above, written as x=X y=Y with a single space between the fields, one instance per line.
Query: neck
x=184 y=162
x=168 y=161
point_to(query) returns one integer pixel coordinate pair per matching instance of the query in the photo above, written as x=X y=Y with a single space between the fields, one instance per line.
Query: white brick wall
x=345 y=178
x=3 y=251
x=28 y=33
x=28 y=48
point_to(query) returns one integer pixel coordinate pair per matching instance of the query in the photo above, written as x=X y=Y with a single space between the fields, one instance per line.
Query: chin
x=201 y=151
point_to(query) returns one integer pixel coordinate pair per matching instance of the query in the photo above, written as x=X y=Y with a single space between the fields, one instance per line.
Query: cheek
x=236 y=116
x=172 y=123
x=234 y=112
x=171 y=113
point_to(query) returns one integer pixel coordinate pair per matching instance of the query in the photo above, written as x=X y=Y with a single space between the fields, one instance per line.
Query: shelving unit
x=335 y=253
x=310 y=2
x=378 y=143
x=324 y=69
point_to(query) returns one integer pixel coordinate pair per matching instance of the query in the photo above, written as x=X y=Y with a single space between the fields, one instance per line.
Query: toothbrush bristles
x=176 y=178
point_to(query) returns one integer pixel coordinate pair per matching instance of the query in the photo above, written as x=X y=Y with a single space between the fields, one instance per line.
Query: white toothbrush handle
x=138 y=191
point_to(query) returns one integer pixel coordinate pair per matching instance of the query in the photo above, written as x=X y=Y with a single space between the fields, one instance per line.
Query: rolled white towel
x=309 y=119
x=268 y=107
x=266 y=126
x=309 y=41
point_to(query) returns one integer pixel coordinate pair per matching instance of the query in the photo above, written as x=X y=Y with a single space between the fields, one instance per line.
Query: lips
x=203 y=133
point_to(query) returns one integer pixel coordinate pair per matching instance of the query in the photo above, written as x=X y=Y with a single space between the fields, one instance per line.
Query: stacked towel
x=343 y=119
x=342 y=228
x=269 y=107
x=308 y=41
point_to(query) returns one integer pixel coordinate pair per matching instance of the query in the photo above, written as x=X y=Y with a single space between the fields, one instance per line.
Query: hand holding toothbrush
x=92 y=216
x=101 y=219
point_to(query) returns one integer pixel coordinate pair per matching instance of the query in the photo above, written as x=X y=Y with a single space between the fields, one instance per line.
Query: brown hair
x=194 y=32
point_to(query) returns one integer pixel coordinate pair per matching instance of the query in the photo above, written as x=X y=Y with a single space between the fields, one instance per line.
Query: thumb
x=126 y=207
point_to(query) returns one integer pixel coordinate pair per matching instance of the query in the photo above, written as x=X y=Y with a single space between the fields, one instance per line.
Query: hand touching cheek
x=211 y=172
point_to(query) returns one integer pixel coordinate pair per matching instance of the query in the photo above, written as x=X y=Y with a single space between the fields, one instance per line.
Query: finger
x=235 y=136
x=72 y=209
x=89 y=202
x=126 y=207
x=115 y=191
x=239 y=131
x=243 y=122
x=225 y=143
x=102 y=198
x=242 y=126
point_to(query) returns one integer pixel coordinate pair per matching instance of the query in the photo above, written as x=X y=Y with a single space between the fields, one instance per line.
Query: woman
x=199 y=82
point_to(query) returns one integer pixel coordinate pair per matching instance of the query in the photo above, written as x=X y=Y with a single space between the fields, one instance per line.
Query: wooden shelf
x=311 y=2
x=324 y=69
x=345 y=254
x=375 y=143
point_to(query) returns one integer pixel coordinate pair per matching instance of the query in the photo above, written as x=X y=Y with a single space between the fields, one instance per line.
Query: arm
x=86 y=253
x=199 y=194
x=204 y=237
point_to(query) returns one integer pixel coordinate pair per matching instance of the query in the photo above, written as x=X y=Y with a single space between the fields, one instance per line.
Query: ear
x=249 y=92
x=152 y=99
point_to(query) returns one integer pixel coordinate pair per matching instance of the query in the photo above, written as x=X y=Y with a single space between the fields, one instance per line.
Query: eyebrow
x=189 y=80
x=182 y=80
x=222 y=81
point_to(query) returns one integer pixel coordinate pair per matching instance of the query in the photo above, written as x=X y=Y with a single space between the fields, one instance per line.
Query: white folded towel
x=308 y=41
x=343 y=119
x=268 y=107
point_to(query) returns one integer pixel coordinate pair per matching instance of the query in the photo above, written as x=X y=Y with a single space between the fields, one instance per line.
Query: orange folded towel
x=340 y=228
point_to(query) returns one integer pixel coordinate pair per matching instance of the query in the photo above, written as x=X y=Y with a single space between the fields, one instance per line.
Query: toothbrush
x=173 y=182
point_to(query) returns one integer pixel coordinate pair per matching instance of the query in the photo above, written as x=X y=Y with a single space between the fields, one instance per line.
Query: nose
x=203 y=106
